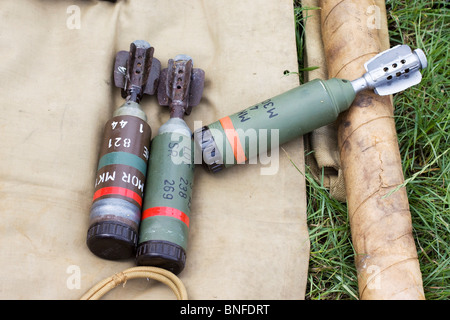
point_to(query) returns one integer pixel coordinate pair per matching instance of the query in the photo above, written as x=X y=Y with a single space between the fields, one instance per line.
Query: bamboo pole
x=386 y=255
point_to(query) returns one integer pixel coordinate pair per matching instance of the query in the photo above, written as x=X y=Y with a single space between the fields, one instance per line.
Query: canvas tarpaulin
x=248 y=236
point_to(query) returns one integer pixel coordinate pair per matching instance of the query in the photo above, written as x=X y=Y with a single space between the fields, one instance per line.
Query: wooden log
x=380 y=220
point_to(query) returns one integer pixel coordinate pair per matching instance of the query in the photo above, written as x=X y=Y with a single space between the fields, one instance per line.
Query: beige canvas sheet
x=248 y=236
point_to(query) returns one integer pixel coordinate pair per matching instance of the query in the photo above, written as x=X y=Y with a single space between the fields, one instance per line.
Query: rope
x=162 y=275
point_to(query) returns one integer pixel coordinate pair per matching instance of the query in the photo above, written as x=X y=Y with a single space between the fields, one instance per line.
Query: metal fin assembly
x=392 y=71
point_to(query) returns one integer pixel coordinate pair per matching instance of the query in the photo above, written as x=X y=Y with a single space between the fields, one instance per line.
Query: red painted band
x=118 y=191
x=233 y=139
x=168 y=212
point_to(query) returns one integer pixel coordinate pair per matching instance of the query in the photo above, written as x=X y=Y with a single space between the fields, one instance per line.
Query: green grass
x=423 y=126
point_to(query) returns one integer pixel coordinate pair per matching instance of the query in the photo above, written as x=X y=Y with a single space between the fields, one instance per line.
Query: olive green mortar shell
x=254 y=131
x=163 y=234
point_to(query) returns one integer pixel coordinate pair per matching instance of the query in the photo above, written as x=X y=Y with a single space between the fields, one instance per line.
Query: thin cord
x=162 y=275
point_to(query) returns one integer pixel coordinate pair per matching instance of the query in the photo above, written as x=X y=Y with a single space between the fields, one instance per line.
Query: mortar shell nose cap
x=183 y=57
x=422 y=58
x=141 y=44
